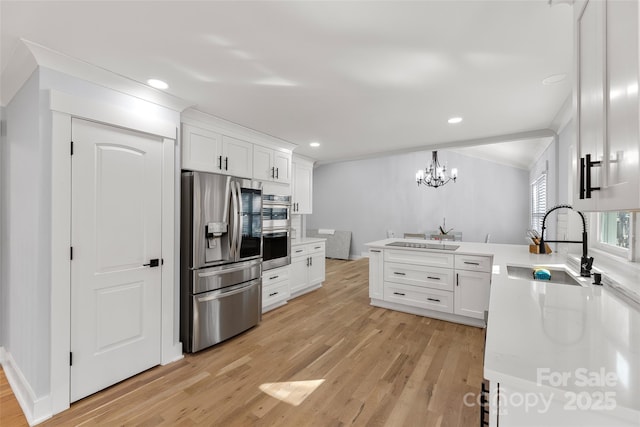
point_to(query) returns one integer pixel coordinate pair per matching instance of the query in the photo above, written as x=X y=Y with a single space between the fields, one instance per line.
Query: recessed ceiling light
x=314 y=144
x=454 y=120
x=158 y=84
x=554 y=78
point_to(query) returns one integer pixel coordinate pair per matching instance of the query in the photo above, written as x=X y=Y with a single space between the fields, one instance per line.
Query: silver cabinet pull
x=433 y=278
x=399 y=274
x=472 y=263
x=433 y=299
x=399 y=293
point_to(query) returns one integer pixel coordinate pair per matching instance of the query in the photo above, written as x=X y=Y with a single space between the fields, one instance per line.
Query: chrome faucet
x=585 y=261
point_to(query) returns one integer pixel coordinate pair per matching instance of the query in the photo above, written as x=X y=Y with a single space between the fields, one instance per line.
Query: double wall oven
x=276 y=231
x=221 y=258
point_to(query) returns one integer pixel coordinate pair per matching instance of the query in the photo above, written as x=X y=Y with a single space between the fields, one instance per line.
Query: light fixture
x=314 y=144
x=454 y=120
x=158 y=84
x=435 y=175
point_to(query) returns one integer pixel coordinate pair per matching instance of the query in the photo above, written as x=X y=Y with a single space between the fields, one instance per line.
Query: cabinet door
x=471 y=293
x=298 y=275
x=590 y=91
x=201 y=149
x=282 y=165
x=376 y=272
x=237 y=157
x=263 y=164
x=621 y=190
x=302 y=188
x=316 y=268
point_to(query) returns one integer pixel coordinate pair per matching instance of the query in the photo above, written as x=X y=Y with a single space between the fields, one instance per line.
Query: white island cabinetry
x=428 y=282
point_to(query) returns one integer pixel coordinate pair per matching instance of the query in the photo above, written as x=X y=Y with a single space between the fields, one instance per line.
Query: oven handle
x=271 y=231
x=223 y=294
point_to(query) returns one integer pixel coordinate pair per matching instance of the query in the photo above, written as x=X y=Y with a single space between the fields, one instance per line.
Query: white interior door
x=115 y=230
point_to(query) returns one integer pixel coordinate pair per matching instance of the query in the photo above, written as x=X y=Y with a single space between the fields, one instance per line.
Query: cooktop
x=439 y=246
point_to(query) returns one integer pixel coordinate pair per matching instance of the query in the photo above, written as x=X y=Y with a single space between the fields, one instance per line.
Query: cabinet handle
x=433 y=299
x=307 y=261
x=582 y=165
x=299 y=250
x=277 y=173
x=220 y=162
x=472 y=263
x=226 y=163
x=375 y=250
x=273 y=293
x=589 y=164
x=273 y=172
x=317 y=247
x=273 y=277
x=399 y=293
x=433 y=278
x=310 y=260
x=457 y=279
x=399 y=274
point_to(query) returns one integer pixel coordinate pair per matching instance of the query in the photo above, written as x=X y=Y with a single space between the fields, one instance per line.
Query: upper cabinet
x=271 y=165
x=211 y=144
x=209 y=151
x=302 y=186
x=606 y=106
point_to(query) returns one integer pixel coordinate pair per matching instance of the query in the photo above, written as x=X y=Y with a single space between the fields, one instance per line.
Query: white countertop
x=306 y=240
x=537 y=331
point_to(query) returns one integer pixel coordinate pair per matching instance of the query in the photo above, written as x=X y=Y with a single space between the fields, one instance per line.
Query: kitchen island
x=555 y=354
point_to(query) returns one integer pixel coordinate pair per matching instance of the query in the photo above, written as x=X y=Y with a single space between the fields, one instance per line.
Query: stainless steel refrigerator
x=221 y=257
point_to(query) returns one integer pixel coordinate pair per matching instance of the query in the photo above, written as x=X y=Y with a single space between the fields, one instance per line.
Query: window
x=614 y=232
x=538 y=202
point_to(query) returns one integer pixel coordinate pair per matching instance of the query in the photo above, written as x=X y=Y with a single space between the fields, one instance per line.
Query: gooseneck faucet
x=585 y=261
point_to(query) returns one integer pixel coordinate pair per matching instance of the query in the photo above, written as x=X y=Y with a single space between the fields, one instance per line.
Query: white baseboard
x=35 y=409
x=175 y=355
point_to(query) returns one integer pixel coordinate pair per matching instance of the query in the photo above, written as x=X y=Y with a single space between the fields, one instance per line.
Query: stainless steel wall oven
x=221 y=258
x=276 y=231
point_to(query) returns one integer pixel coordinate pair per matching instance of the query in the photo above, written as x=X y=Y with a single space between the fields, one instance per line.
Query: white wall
x=369 y=197
x=26 y=238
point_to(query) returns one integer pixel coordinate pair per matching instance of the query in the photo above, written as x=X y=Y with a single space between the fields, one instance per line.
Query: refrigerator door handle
x=240 y=219
x=235 y=218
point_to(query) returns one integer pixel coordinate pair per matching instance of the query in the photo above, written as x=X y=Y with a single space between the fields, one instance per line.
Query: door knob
x=153 y=263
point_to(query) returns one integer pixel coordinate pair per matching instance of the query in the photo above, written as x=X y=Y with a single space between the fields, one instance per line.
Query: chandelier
x=435 y=175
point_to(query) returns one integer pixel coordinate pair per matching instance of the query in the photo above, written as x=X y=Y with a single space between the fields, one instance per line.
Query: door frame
x=63 y=108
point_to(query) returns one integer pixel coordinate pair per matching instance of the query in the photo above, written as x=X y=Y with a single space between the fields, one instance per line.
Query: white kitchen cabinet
x=237 y=157
x=271 y=165
x=302 y=186
x=376 y=271
x=208 y=151
x=275 y=288
x=606 y=105
x=307 y=267
x=473 y=285
x=472 y=293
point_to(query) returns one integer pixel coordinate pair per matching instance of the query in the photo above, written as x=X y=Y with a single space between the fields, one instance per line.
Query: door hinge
x=72 y=148
x=71 y=253
x=70 y=358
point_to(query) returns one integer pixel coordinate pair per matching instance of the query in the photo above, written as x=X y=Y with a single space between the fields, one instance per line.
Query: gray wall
x=369 y=197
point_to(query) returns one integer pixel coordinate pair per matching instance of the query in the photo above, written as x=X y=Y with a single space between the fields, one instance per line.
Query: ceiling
x=362 y=78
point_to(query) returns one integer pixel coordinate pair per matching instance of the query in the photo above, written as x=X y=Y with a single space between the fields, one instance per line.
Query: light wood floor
x=334 y=358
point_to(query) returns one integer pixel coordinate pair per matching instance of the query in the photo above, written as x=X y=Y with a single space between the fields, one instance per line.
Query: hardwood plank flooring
x=327 y=358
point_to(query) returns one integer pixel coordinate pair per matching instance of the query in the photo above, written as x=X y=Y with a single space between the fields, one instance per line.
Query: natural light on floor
x=291 y=392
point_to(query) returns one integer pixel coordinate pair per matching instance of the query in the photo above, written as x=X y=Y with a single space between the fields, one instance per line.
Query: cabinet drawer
x=274 y=276
x=275 y=293
x=474 y=263
x=432 y=299
x=299 y=251
x=434 y=259
x=419 y=275
x=316 y=247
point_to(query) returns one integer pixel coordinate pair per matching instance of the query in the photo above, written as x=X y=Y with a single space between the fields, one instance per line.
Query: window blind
x=538 y=202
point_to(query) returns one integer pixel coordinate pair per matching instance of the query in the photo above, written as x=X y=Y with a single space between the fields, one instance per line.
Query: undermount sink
x=558 y=276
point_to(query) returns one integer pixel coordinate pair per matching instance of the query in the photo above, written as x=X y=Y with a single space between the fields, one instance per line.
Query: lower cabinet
x=307 y=267
x=435 y=284
x=275 y=288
